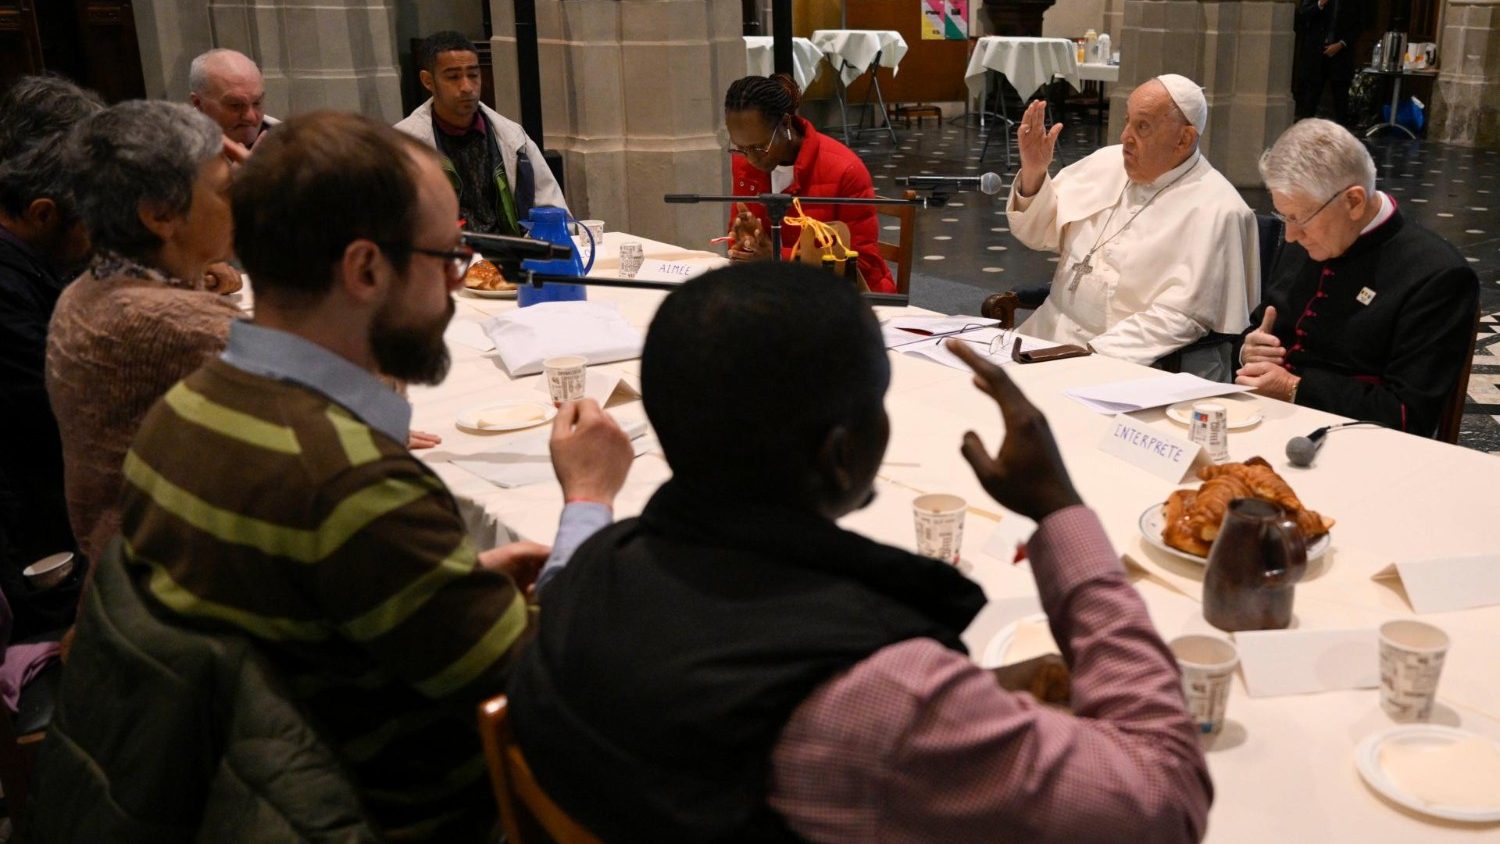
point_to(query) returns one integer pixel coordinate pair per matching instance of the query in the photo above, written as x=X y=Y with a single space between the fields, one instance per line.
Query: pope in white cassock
x=1157 y=248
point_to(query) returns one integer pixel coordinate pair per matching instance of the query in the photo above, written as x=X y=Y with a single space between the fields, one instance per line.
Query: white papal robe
x=1188 y=265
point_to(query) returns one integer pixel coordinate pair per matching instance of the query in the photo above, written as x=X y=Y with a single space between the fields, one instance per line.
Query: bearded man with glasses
x=1367 y=314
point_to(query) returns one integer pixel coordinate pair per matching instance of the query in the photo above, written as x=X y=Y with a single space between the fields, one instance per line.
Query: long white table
x=1284 y=768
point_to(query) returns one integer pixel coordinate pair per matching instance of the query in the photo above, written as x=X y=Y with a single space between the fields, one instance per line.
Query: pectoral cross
x=1081 y=269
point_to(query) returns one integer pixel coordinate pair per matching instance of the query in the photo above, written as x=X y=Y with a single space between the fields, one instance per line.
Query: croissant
x=1261 y=478
x=1192 y=517
x=1175 y=530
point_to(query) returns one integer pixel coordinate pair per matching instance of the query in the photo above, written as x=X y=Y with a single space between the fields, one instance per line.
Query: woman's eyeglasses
x=760 y=151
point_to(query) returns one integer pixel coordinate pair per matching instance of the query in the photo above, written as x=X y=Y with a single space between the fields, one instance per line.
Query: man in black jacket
x=734 y=666
x=1367 y=314
x=1325 y=32
x=41 y=242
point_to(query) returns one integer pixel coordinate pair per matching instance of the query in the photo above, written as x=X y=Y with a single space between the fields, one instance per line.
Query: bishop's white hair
x=1317 y=159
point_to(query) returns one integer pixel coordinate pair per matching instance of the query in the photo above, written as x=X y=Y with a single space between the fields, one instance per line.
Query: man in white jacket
x=1156 y=248
x=497 y=171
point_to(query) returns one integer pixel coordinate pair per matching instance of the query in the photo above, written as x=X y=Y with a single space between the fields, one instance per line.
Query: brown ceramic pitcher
x=1253 y=567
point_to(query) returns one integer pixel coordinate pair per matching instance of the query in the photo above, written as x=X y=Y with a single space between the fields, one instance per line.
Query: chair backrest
x=1272 y=232
x=901 y=251
x=1452 y=417
x=527 y=814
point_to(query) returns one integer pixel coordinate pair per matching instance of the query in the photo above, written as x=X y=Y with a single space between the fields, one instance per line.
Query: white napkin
x=1298 y=662
x=596 y=330
x=527 y=459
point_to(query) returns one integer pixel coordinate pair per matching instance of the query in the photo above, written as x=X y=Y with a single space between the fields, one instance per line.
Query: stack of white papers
x=1143 y=393
x=596 y=330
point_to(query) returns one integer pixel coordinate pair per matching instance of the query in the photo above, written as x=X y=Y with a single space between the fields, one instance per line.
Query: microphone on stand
x=986 y=183
x=1300 y=451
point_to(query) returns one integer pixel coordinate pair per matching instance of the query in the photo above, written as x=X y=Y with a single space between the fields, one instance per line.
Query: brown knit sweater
x=121 y=336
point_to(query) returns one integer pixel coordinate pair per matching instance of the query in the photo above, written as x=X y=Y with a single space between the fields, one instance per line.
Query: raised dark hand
x=1027 y=474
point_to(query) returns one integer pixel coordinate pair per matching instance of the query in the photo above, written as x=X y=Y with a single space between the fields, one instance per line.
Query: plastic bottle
x=1104 y=51
x=1091 y=46
x=551 y=224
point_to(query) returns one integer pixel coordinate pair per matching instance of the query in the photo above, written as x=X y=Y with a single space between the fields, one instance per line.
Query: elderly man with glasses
x=1367 y=314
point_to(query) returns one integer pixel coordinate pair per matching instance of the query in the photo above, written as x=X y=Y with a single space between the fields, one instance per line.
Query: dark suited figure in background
x=1325 y=31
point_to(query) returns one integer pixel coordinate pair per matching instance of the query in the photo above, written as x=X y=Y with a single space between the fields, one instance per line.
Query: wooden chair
x=901 y=251
x=1453 y=409
x=527 y=814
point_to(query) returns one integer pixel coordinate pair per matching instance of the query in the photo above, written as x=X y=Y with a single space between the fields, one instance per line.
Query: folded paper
x=596 y=330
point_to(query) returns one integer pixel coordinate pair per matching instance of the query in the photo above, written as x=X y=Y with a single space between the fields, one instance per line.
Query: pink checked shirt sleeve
x=917 y=743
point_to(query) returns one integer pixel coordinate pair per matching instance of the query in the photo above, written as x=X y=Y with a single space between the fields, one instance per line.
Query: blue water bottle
x=551 y=224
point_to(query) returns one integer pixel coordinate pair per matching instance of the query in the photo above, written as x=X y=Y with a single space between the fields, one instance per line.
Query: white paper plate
x=996 y=651
x=517 y=413
x=1240 y=413
x=491 y=294
x=1153 y=520
x=1367 y=759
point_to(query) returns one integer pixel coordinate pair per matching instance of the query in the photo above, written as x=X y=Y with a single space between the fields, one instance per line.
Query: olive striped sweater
x=261 y=506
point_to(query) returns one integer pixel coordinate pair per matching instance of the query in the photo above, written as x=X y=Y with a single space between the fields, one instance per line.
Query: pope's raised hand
x=1027 y=474
x=1036 y=143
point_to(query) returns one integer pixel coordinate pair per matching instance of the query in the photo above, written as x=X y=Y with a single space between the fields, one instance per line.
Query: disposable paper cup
x=565 y=377
x=940 y=525
x=49 y=571
x=631 y=258
x=1207 y=664
x=1411 y=660
x=595 y=226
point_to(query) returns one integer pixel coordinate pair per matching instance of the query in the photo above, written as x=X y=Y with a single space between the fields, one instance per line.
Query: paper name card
x=655 y=270
x=1144 y=393
x=1299 y=662
x=1164 y=455
x=1448 y=583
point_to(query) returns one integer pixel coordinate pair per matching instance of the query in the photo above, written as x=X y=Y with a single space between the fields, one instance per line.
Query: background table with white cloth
x=850 y=51
x=1284 y=767
x=1029 y=63
x=760 y=59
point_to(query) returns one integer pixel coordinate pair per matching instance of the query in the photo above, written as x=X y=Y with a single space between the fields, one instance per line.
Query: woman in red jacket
x=775 y=151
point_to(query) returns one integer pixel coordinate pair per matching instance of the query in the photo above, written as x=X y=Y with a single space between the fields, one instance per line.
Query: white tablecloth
x=850 y=51
x=1029 y=63
x=1284 y=768
x=1099 y=72
x=760 y=58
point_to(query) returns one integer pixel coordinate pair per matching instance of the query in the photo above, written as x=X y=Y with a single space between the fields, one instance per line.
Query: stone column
x=1466 y=101
x=632 y=95
x=1114 y=21
x=317 y=53
x=1240 y=51
x=314 y=53
x=170 y=34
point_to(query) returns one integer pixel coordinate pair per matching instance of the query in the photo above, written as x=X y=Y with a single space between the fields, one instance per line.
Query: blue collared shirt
x=286 y=357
